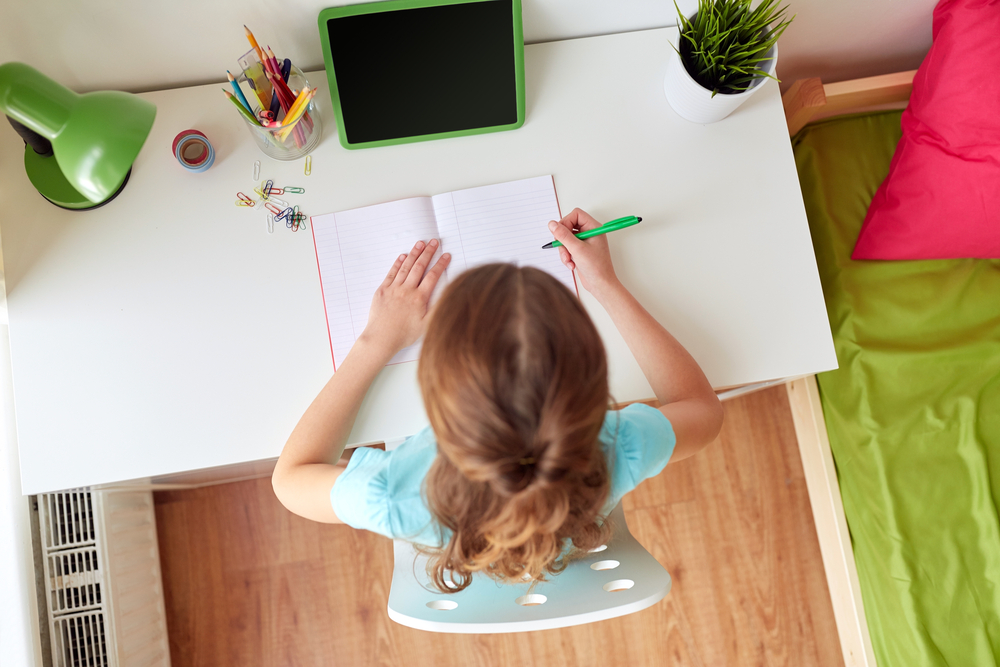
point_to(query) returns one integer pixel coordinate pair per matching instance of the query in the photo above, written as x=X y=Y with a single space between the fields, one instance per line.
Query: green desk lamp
x=79 y=148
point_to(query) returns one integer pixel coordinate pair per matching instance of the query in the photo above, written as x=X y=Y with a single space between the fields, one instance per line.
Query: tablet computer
x=413 y=70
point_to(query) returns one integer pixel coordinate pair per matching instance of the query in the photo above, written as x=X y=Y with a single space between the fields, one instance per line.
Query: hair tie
x=528 y=461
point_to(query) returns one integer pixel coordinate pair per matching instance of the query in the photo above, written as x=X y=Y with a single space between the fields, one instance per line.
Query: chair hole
x=531 y=600
x=442 y=605
x=605 y=565
x=619 y=585
x=600 y=548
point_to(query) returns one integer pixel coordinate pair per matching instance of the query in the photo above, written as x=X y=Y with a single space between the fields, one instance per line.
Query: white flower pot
x=694 y=103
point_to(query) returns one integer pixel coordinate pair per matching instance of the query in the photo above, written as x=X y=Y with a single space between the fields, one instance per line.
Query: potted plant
x=725 y=51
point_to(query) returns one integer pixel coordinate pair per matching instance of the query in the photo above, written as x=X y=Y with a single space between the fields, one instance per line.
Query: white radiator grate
x=80 y=640
x=76 y=580
x=102 y=569
x=67 y=519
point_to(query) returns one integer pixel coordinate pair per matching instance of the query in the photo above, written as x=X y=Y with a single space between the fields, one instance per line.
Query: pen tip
x=638 y=218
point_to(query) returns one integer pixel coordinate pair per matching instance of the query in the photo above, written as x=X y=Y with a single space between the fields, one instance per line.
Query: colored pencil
x=297 y=111
x=253 y=43
x=239 y=93
x=275 y=66
x=243 y=110
x=297 y=107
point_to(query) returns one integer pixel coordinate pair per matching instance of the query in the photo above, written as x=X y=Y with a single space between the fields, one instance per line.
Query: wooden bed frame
x=805 y=101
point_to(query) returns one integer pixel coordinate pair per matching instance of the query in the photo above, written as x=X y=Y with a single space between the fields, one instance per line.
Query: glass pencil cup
x=298 y=138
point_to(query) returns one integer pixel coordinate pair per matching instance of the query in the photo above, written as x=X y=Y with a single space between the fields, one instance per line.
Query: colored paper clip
x=268 y=185
x=277 y=202
x=272 y=207
x=294 y=191
x=301 y=220
x=245 y=200
x=309 y=164
x=256 y=169
x=284 y=214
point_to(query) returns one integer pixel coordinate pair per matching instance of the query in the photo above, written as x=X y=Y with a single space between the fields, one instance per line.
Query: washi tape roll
x=193 y=150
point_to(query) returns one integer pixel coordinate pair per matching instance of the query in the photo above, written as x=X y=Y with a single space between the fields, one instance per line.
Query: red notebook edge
x=322 y=293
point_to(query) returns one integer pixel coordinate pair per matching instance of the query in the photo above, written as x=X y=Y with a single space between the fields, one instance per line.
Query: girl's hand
x=590 y=258
x=398 y=313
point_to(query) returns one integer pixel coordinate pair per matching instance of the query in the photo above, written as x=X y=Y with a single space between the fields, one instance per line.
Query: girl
x=523 y=459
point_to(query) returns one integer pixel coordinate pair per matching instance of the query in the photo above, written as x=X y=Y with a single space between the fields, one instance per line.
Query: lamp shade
x=95 y=137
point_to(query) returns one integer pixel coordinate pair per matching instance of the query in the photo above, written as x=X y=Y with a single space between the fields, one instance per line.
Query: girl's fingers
x=565 y=257
x=430 y=281
x=393 y=270
x=565 y=236
x=417 y=271
x=408 y=263
x=578 y=219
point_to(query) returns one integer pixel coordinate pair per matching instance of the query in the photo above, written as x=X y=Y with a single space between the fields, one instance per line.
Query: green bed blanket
x=913 y=413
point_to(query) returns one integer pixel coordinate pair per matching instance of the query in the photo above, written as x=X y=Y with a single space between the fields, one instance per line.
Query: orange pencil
x=253 y=43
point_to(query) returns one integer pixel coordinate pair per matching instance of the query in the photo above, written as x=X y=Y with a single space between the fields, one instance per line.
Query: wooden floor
x=247 y=583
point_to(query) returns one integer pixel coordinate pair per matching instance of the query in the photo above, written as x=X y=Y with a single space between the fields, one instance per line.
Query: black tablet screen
x=421 y=71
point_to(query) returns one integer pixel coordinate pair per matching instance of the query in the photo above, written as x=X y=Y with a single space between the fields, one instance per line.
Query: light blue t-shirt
x=381 y=491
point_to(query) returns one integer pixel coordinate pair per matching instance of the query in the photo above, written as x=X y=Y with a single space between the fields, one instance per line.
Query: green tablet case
x=344 y=133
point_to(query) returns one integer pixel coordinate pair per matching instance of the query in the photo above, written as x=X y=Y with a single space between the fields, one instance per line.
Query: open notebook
x=506 y=222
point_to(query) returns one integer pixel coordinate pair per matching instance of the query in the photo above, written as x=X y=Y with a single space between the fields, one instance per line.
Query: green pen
x=611 y=226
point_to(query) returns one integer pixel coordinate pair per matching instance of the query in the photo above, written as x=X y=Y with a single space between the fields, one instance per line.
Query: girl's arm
x=684 y=393
x=306 y=469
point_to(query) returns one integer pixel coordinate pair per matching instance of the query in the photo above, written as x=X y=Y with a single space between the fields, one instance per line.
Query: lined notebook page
x=354 y=250
x=507 y=222
x=495 y=223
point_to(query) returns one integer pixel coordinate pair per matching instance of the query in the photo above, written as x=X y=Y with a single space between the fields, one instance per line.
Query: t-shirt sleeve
x=359 y=496
x=381 y=491
x=644 y=443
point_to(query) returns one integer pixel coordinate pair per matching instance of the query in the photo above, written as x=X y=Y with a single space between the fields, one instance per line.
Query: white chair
x=613 y=581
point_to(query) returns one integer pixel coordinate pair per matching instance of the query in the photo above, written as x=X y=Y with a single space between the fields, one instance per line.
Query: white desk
x=167 y=331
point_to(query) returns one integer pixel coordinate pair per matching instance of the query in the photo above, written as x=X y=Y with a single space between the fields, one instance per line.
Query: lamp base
x=48 y=179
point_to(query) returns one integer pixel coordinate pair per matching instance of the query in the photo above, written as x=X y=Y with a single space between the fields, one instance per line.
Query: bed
x=901 y=444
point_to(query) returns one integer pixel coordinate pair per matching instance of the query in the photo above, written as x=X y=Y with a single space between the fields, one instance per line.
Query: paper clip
x=280 y=203
x=256 y=169
x=270 y=223
x=302 y=220
x=309 y=164
x=244 y=200
x=272 y=207
x=294 y=191
x=284 y=214
x=268 y=184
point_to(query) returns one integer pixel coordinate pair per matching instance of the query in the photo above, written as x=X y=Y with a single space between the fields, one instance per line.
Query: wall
x=141 y=46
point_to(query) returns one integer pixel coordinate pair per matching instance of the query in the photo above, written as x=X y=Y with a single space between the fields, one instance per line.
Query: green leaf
x=726 y=43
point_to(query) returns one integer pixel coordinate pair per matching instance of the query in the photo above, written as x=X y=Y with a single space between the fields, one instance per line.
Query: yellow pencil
x=302 y=99
x=295 y=113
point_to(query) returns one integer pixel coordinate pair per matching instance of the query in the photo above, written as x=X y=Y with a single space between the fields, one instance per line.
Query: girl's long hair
x=515 y=381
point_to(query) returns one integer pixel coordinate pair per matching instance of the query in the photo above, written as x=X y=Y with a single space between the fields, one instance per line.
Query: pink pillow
x=941 y=198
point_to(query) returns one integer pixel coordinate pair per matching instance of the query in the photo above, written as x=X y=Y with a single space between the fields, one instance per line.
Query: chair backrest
x=617 y=580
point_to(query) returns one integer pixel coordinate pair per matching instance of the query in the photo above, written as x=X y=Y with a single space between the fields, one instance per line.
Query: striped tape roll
x=193 y=150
